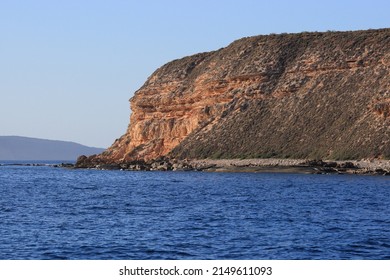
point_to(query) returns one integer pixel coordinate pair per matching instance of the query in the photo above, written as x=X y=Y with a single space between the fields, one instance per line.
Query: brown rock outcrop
x=307 y=95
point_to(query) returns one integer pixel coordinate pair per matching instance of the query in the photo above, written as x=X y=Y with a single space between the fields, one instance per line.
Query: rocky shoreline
x=64 y=164
x=370 y=167
x=374 y=167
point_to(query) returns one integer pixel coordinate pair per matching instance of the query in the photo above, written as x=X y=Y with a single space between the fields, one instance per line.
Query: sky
x=68 y=68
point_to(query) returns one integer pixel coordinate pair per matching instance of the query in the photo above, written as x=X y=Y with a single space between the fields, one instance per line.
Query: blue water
x=54 y=213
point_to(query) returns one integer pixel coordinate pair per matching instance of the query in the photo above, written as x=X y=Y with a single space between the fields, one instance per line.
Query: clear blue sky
x=68 y=68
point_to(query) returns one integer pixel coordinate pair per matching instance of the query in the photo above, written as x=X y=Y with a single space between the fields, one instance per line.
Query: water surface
x=55 y=213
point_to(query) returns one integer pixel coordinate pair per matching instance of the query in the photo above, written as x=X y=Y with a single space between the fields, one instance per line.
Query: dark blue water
x=54 y=213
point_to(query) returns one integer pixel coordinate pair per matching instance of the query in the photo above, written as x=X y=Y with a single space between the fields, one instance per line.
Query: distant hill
x=25 y=148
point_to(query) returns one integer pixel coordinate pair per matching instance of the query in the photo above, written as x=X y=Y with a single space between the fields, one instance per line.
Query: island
x=318 y=99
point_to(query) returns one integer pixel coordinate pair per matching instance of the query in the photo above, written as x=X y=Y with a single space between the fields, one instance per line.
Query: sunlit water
x=55 y=213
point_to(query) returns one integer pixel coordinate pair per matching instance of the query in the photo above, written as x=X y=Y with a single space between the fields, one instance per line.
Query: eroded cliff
x=307 y=95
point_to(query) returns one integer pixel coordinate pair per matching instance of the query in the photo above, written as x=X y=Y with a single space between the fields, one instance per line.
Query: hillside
x=307 y=95
x=25 y=148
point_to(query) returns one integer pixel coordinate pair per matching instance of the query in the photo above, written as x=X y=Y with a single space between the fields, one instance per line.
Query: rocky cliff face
x=307 y=95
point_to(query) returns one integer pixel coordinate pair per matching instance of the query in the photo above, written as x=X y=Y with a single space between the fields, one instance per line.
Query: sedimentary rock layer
x=307 y=95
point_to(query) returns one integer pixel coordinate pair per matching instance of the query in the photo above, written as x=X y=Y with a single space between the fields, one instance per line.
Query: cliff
x=307 y=95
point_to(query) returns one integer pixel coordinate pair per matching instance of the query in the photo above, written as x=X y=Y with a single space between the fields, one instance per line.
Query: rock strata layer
x=308 y=95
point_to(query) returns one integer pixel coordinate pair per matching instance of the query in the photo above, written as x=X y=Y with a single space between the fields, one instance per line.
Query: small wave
x=54 y=256
x=6 y=209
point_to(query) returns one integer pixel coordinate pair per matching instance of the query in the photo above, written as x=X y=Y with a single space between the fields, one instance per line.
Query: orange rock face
x=287 y=78
x=164 y=114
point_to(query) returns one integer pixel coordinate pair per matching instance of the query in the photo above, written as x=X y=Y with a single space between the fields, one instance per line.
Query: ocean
x=57 y=213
